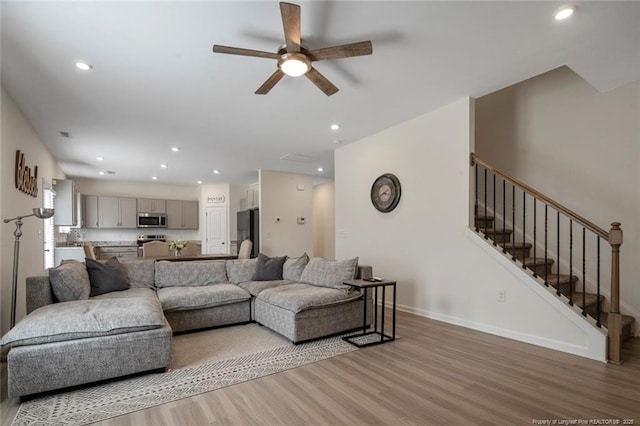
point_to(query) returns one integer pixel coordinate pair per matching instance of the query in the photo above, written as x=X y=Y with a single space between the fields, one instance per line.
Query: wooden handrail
x=540 y=196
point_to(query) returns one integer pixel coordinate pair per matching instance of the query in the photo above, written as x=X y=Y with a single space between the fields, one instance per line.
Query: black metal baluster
x=513 y=218
x=535 y=235
x=546 y=231
x=475 y=219
x=584 y=272
x=598 y=291
x=558 y=256
x=524 y=228
x=570 y=261
x=485 y=204
x=504 y=213
x=494 y=210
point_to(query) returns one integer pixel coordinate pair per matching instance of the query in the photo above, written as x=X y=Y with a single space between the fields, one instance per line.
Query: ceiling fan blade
x=291 y=23
x=271 y=81
x=345 y=51
x=321 y=81
x=244 y=52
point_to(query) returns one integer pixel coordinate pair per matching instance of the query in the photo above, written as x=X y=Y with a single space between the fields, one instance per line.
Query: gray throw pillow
x=269 y=268
x=241 y=270
x=106 y=277
x=70 y=281
x=329 y=273
x=293 y=267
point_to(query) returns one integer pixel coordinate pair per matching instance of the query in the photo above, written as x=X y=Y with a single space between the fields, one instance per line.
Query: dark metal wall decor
x=25 y=182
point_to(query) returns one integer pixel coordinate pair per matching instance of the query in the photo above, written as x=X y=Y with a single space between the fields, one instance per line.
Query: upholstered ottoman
x=84 y=341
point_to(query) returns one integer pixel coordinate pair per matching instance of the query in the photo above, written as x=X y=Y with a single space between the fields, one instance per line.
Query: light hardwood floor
x=433 y=374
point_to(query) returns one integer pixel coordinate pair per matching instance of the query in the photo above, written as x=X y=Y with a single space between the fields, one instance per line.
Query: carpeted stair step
x=484 y=222
x=518 y=249
x=565 y=282
x=500 y=236
x=591 y=302
x=539 y=265
x=627 y=324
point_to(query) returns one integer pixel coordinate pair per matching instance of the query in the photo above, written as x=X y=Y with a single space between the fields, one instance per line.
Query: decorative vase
x=178 y=252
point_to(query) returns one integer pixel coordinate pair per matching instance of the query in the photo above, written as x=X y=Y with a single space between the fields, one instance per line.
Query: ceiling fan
x=293 y=59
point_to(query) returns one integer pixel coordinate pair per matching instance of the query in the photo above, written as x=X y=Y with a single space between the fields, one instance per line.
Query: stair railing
x=485 y=201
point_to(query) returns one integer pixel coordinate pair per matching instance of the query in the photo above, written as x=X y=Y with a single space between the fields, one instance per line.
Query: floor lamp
x=41 y=213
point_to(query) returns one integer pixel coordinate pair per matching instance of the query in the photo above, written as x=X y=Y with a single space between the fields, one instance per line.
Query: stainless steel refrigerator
x=249 y=229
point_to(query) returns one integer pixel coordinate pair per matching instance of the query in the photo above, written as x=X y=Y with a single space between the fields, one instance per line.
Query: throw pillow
x=269 y=268
x=70 y=281
x=293 y=267
x=241 y=270
x=106 y=277
x=329 y=273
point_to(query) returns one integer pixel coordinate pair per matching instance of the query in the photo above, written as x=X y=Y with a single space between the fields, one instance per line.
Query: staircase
x=567 y=285
x=532 y=229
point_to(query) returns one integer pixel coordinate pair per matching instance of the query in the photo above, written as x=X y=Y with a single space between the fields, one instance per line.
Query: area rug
x=202 y=362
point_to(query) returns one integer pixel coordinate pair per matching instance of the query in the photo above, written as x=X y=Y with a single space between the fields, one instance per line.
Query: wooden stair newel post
x=615 y=318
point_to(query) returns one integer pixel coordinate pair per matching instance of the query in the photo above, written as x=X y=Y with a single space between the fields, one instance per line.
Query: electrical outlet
x=502 y=296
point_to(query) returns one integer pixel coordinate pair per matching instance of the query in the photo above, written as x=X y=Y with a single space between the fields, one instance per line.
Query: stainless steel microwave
x=152 y=220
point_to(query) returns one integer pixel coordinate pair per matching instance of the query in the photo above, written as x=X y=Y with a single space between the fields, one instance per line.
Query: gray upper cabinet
x=151 y=205
x=117 y=212
x=65 y=203
x=182 y=214
x=90 y=214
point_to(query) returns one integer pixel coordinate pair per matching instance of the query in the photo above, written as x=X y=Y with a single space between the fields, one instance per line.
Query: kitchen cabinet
x=65 y=203
x=151 y=205
x=182 y=214
x=253 y=196
x=90 y=214
x=117 y=212
x=121 y=252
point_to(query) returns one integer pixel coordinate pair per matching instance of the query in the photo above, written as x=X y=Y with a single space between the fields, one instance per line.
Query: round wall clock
x=385 y=192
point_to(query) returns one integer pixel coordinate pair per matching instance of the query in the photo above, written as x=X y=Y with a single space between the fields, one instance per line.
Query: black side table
x=383 y=337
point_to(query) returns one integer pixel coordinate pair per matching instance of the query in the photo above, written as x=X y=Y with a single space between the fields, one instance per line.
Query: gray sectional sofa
x=72 y=336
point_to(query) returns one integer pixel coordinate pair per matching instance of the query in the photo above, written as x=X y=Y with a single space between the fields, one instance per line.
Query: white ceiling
x=156 y=83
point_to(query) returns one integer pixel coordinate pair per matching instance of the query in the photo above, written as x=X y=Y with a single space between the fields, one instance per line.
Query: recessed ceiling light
x=154 y=177
x=102 y=173
x=83 y=66
x=320 y=169
x=100 y=158
x=164 y=166
x=175 y=148
x=216 y=172
x=564 y=12
x=199 y=182
x=335 y=126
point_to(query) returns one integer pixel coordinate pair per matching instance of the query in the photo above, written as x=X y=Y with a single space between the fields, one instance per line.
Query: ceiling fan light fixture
x=294 y=64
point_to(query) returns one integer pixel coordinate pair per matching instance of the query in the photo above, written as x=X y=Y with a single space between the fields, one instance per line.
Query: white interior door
x=217 y=231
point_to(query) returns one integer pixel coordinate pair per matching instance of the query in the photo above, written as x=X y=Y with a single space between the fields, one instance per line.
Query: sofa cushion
x=106 y=277
x=70 y=281
x=329 y=273
x=141 y=273
x=293 y=267
x=299 y=297
x=256 y=287
x=190 y=274
x=188 y=298
x=269 y=268
x=240 y=270
x=85 y=318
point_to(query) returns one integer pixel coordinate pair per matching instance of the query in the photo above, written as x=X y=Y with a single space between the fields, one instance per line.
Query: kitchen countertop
x=114 y=243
